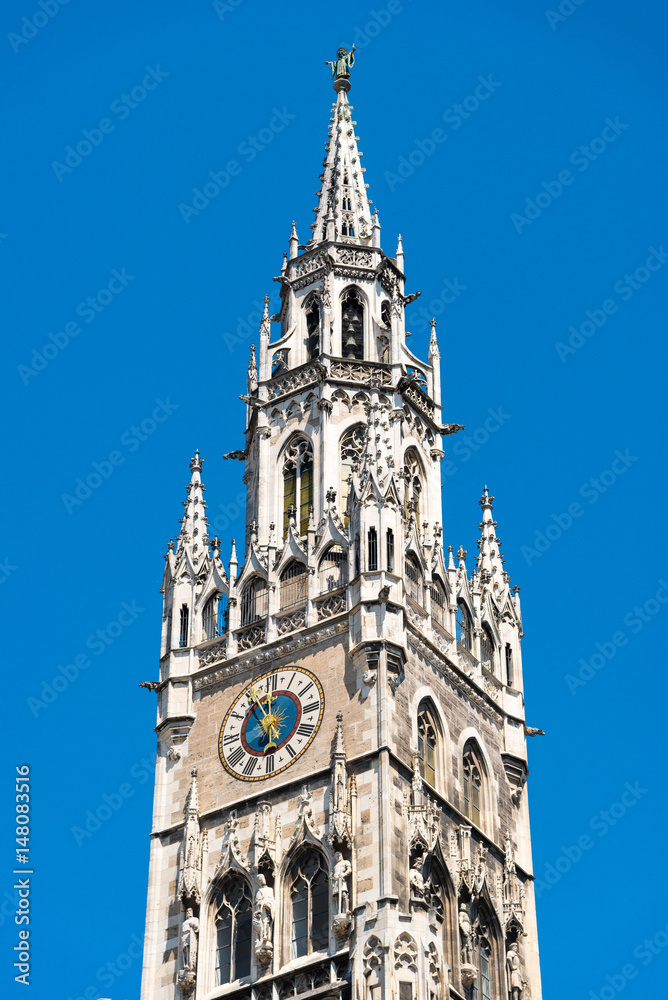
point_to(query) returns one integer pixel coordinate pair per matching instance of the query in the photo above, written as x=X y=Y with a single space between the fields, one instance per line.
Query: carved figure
x=189 y=932
x=465 y=932
x=342 y=869
x=341 y=65
x=263 y=915
x=515 y=981
x=416 y=879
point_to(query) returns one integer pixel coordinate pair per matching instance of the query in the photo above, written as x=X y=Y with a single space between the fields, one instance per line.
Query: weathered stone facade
x=388 y=854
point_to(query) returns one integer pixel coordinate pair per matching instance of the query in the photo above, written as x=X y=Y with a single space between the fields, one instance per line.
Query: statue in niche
x=189 y=932
x=416 y=879
x=263 y=916
x=465 y=932
x=341 y=65
x=342 y=869
x=515 y=981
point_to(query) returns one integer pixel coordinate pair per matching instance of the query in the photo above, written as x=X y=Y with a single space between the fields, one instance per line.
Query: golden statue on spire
x=341 y=65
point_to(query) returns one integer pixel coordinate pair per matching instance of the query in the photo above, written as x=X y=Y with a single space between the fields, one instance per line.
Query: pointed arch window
x=233 y=922
x=254 y=601
x=297 y=484
x=352 y=448
x=372 y=561
x=214 y=617
x=389 y=550
x=485 y=980
x=413 y=580
x=487 y=649
x=333 y=569
x=438 y=601
x=472 y=783
x=293 y=585
x=463 y=623
x=352 y=325
x=509 y=665
x=427 y=742
x=309 y=898
x=184 y=625
x=413 y=480
x=313 y=330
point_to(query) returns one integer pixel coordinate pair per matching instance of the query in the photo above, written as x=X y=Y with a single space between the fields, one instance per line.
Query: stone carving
x=359 y=371
x=231 y=848
x=417 y=880
x=274 y=652
x=263 y=920
x=305 y=812
x=342 y=869
x=373 y=955
x=331 y=606
x=342 y=64
x=213 y=653
x=191 y=868
x=405 y=953
x=290 y=623
x=340 y=807
x=250 y=638
x=513 y=890
x=189 y=932
x=294 y=380
x=514 y=972
x=309 y=264
x=349 y=255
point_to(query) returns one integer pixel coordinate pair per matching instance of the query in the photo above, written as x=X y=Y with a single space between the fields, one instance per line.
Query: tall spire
x=194 y=535
x=342 y=198
x=489 y=564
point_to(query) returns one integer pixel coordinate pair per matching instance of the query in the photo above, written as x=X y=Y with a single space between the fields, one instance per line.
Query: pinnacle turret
x=194 y=534
x=489 y=564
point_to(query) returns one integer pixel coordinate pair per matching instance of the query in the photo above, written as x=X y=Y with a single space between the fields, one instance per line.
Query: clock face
x=271 y=723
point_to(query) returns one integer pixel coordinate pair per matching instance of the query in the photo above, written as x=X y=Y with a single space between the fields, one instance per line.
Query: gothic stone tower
x=340 y=802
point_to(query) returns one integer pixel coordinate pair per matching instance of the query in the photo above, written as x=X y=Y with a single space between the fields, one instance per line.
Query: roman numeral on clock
x=313 y=707
x=272 y=682
x=250 y=765
x=305 y=729
x=307 y=688
x=236 y=756
x=231 y=738
x=292 y=752
x=269 y=764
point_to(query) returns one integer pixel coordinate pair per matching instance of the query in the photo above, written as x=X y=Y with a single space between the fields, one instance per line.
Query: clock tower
x=340 y=793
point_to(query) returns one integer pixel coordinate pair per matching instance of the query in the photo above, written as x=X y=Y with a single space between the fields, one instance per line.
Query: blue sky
x=520 y=241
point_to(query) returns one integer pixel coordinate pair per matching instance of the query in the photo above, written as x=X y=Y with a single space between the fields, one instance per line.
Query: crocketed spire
x=343 y=209
x=194 y=535
x=489 y=564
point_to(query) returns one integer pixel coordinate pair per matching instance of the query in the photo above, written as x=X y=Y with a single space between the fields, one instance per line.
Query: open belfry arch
x=340 y=790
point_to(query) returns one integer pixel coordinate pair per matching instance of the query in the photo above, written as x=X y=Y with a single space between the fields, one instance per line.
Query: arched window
x=184 y=628
x=463 y=622
x=372 y=562
x=438 y=601
x=389 y=548
x=413 y=579
x=234 y=926
x=254 y=601
x=426 y=728
x=309 y=896
x=509 y=665
x=413 y=480
x=485 y=981
x=297 y=484
x=352 y=447
x=214 y=617
x=472 y=783
x=487 y=650
x=293 y=585
x=313 y=331
x=333 y=569
x=352 y=325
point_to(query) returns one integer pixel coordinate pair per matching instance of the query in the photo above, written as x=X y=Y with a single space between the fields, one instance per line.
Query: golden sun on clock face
x=271 y=723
